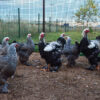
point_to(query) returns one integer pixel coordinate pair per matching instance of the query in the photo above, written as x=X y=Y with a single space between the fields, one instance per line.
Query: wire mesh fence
x=28 y=19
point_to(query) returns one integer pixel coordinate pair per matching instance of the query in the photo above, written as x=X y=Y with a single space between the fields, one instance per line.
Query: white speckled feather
x=51 y=46
x=94 y=43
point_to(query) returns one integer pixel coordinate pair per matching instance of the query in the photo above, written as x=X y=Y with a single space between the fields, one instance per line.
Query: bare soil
x=69 y=83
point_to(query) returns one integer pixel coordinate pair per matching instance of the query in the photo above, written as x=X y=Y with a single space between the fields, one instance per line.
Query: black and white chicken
x=8 y=65
x=71 y=52
x=91 y=49
x=51 y=52
x=25 y=50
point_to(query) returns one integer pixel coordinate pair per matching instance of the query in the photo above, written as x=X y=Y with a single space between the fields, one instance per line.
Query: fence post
x=19 y=22
x=65 y=27
x=38 y=23
x=62 y=25
x=56 y=25
x=49 y=24
x=43 y=15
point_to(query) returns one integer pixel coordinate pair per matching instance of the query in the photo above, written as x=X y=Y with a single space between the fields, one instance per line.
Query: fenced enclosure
x=36 y=74
x=19 y=17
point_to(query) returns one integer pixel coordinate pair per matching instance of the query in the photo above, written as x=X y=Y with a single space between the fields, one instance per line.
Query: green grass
x=10 y=29
x=75 y=36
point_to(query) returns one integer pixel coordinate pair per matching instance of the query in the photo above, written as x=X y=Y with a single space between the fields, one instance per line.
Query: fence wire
x=59 y=16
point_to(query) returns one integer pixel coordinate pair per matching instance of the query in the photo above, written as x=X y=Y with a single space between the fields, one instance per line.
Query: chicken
x=62 y=40
x=51 y=52
x=94 y=43
x=8 y=65
x=71 y=52
x=42 y=45
x=25 y=50
x=90 y=49
x=4 y=46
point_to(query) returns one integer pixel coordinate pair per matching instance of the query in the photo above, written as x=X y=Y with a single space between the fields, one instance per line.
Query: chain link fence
x=17 y=18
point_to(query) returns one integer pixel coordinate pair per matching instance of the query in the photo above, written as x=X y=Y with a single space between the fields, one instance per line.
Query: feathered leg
x=46 y=68
x=71 y=61
x=23 y=58
x=98 y=67
x=3 y=85
x=56 y=65
x=94 y=63
x=93 y=59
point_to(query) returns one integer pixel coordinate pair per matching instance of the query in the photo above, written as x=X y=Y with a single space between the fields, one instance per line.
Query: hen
x=71 y=52
x=25 y=50
x=8 y=65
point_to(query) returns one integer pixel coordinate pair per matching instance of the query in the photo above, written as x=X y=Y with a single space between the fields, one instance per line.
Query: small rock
x=95 y=83
x=79 y=77
x=87 y=86
x=83 y=78
x=37 y=66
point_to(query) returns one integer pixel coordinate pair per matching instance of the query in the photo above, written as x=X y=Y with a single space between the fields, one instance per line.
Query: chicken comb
x=42 y=35
x=29 y=35
x=86 y=31
x=6 y=39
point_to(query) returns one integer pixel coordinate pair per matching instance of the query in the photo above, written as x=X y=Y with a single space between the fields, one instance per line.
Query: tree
x=87 y=13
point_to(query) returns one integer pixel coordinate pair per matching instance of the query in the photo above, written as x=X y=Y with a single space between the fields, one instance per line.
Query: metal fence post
x=62 y=25
x=56 y=25
x=49 y=24
x=19 y=22
x=38 y=23
x=65 y=27
x=43 y=15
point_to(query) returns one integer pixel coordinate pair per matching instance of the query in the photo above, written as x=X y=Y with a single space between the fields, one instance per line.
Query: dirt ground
x=76 y=83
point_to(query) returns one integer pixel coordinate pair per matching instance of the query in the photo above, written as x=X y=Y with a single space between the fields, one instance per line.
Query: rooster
x=51 y=52
x=90 y=48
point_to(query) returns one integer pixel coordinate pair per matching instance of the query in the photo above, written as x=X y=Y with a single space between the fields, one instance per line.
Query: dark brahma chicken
x=95 y=43
x=25 y=50
x=4 y=47
x=8 y=65
x=71 y=52
x=42 y=45
x=51 y=52
x=90 y=48
x=62 y=40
